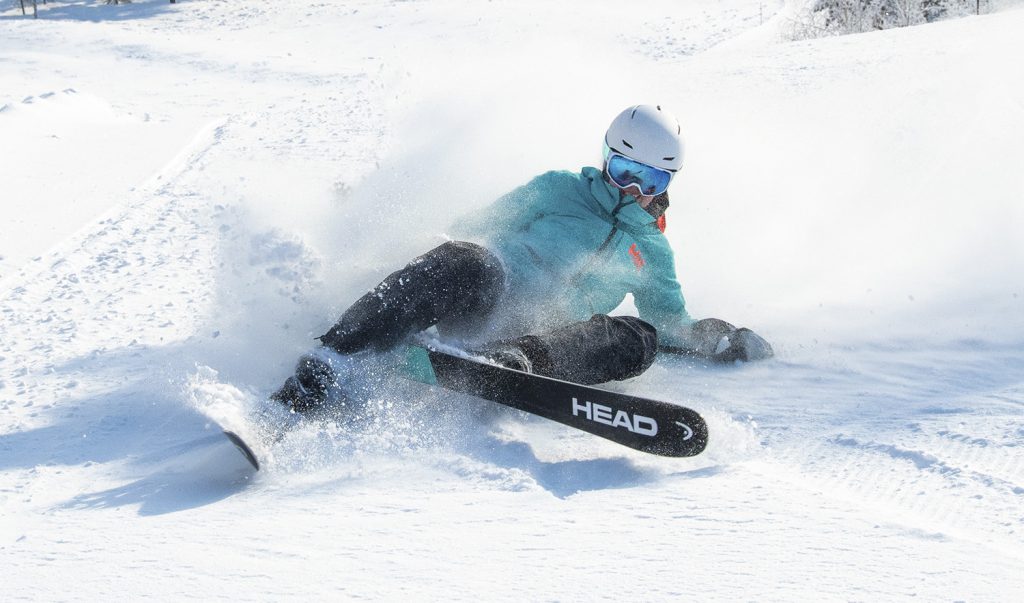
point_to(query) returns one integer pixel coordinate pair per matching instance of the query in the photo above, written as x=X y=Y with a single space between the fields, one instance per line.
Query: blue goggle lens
x=625 y=172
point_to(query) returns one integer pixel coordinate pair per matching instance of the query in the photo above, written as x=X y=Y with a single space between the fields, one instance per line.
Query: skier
x=532 y=278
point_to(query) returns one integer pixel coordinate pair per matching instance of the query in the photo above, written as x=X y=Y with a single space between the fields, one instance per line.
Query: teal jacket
x=572 y=248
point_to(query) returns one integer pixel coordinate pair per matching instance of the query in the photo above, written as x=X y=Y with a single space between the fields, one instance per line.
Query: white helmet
x=648 y=134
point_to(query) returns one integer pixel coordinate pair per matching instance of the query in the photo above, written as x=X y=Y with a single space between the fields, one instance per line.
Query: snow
x=192 y=192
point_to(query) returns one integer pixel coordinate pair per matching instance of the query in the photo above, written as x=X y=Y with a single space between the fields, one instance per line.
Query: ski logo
x=687 y=429
x=607 y=415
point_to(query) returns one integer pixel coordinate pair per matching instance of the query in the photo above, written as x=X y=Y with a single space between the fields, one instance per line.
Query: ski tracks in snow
x=957 y=475
x=923 y=441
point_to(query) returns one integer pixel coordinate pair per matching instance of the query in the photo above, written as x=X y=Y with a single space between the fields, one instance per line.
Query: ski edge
x=243 y=447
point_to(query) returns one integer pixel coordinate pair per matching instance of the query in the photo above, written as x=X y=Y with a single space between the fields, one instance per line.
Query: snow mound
x=64 y=107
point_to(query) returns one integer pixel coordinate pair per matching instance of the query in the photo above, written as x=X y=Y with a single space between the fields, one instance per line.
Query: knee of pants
x=468 y=256
x=471 y=270
x=638 y=339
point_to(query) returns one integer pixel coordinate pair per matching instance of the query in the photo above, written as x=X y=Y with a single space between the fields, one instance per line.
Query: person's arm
x=660 y=302
x=659 y=298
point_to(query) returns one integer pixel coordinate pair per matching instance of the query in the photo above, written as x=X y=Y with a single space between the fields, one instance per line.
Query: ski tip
x=243 y=448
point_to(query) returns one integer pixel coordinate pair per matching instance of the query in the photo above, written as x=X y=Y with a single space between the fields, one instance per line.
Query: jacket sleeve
x=659 y=298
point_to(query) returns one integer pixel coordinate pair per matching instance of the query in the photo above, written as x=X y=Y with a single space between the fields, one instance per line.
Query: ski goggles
x=626 y=172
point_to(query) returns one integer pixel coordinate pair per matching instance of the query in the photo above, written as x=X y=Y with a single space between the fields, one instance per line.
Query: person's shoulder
x=554 y=182
x=565 y=179
x=557 y=177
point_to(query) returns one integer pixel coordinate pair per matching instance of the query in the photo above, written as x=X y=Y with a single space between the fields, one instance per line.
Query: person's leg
x=604 y=348
x=457 y=282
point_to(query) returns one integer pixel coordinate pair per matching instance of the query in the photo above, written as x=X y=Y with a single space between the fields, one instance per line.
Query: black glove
x=722 y=342
x=745 y=345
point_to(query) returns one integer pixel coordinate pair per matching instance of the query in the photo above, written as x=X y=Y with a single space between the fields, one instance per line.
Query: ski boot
x=310 y=386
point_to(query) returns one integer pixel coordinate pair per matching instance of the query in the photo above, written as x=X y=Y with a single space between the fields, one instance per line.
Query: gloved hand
x=722 y=342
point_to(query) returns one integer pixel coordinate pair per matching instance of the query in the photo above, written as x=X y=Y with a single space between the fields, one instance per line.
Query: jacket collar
x=608 y=197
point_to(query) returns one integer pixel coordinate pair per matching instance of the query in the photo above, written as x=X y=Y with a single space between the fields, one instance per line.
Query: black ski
x=640 y=423
x=643 y=424
x=244 y=448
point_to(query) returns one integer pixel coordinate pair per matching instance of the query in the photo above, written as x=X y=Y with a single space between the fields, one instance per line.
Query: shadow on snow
x=143 y=422
x=209 y=471
x=566 y=478
x=91 y=10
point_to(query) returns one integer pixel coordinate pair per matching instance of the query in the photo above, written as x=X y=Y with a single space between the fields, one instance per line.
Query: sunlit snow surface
x=190 y=193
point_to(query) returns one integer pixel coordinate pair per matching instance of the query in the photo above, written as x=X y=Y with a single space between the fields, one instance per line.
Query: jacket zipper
x=575 y=280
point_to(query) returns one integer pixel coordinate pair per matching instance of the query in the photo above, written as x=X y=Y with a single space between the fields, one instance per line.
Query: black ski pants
x=456 y=286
